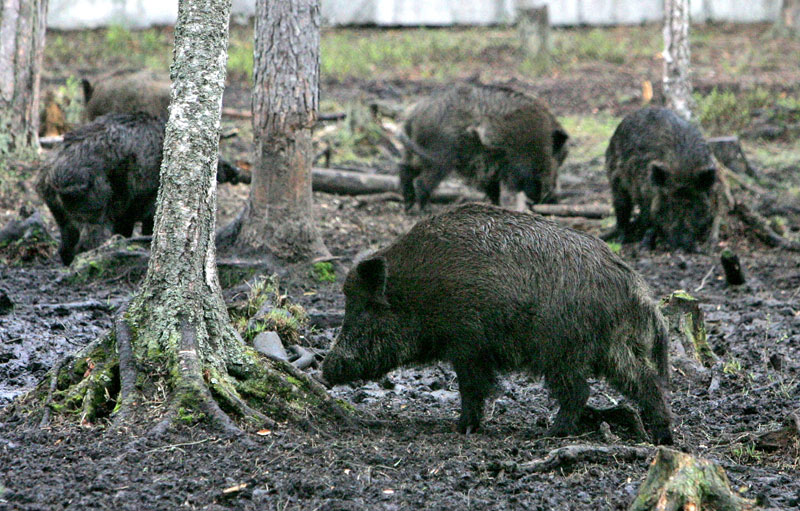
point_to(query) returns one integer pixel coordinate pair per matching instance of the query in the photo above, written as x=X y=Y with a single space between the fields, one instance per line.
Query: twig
x=184 y=444
x=703 y=281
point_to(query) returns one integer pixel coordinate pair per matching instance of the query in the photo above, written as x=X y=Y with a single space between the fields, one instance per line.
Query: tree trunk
x=677 y=82
x=22 y=28
x=278 y=219
x=533 y=27
x=176 y=333
x=788 y=22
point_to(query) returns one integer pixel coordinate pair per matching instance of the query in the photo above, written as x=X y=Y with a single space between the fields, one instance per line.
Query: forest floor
x=416 y=460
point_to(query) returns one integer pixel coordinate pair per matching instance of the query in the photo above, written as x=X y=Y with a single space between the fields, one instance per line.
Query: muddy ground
x=416 y=460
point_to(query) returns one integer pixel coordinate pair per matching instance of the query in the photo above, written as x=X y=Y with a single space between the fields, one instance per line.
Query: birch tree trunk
x=22 y=28
x=677 y=71
x=278 y=220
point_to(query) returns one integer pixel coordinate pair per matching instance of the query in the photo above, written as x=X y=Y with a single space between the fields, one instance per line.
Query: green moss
x=347 y=406
x=190 y=417
x=684 y=295
x=323 y=272
x=294 y=381
x=614 y=246
x=272 y=393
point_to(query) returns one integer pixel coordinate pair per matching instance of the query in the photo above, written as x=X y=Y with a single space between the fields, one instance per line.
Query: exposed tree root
x=53 y=374
x=127 y=370
x=684 y=313
x=191 y=391
x=104 y=382
x=762 y=230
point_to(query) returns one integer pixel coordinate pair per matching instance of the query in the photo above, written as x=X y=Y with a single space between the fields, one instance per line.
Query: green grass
x=424 y=53
x=115 y=46
x=589 y=135
x=729 y=112
x=606 y=45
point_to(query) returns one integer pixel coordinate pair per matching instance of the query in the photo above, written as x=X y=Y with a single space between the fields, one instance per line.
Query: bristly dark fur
x=488 y=134
x=662 y=164
x=107 y=172
x=491 y=290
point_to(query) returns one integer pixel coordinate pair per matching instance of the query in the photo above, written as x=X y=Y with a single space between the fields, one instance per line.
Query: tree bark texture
x=533 y=27
x=181 y=289
x=677 y=71
x=22 y=29
x=788 y=22
x=278 y=219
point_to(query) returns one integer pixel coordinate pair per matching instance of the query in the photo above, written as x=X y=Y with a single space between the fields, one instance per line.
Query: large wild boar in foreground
x=492 y=290
x=107 y=173
x=662 y=164
x=490 y=135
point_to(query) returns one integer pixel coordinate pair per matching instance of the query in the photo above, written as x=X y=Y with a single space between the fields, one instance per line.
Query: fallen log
x=382 y=187
x=345 y=182
x=235 y=113
x=680 y=481
x=52 y=141
x=87 y=305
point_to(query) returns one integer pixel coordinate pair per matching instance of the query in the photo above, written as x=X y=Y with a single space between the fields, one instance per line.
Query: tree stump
x=734 y=275
x=680 y=482
x=685 y=308
x=533 y=27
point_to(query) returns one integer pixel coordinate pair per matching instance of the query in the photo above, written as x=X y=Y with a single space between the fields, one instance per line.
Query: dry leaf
x=233 y=489
x=647 y=91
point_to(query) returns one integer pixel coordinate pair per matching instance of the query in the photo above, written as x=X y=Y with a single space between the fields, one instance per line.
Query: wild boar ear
x=706 y=178
x=372 y=273
x=658 y=173
x=88 y=89
x=560 y=138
